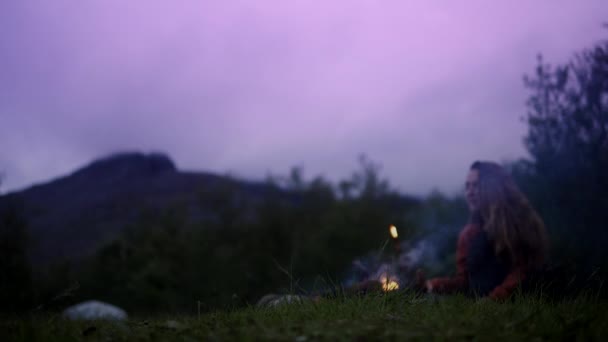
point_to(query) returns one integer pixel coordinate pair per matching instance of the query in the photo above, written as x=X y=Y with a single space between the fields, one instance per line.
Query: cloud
x=422 y=87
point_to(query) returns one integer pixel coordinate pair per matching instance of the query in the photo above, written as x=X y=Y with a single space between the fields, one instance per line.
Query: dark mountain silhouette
x=70 y=217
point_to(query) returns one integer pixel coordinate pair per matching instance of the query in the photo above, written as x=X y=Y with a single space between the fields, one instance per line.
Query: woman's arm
x=511 y=282
x=460 y=280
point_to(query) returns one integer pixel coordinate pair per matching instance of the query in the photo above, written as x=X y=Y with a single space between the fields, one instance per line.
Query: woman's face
x=471 y=189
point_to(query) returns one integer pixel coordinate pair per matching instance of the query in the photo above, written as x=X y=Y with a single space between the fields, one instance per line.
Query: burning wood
x=384 y=273
x=389 y=283
x=387 y=277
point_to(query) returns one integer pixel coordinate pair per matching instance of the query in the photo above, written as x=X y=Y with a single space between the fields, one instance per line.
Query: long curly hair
x=514 y=227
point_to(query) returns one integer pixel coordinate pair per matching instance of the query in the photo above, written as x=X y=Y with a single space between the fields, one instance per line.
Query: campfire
x=389 y=272
x=386 y=274
x=389 y=283
x=381 y=272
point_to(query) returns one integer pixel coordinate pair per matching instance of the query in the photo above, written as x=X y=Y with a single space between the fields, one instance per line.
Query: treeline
x=298 y=243
x=300 y=236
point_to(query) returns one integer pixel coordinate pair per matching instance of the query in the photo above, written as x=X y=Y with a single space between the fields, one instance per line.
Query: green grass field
x=392 y=316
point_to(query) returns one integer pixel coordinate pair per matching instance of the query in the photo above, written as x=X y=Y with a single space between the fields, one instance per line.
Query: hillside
x=70 y=216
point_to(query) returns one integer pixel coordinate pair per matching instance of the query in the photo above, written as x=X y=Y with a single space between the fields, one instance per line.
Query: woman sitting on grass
x=503 y=243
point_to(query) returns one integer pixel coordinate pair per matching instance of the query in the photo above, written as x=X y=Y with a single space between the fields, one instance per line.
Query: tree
x=16 y=276
x=568 y=140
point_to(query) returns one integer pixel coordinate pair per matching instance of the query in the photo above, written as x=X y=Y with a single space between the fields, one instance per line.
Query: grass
x=394 y=316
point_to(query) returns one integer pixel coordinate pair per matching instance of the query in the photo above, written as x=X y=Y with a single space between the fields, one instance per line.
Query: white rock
x=93 y=310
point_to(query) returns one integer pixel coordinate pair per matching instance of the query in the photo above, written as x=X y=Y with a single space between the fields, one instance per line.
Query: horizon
x=306 y=177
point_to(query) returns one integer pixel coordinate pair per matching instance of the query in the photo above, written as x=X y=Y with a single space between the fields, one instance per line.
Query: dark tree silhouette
x=568 y=140
x=16 y=278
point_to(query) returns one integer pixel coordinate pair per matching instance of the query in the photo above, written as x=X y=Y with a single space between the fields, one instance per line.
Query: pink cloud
x=423 y=87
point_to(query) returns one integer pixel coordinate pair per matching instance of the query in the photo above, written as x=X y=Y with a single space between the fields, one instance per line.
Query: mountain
x=70 y=217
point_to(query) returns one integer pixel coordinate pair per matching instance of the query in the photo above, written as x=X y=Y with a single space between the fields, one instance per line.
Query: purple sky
x=422 y=87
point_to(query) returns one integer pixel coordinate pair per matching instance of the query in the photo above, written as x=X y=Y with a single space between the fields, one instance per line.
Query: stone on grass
x=273 y=300
x=95 y=310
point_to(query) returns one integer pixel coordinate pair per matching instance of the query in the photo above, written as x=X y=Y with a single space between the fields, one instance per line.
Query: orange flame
x=393 y=231
x=388 y=284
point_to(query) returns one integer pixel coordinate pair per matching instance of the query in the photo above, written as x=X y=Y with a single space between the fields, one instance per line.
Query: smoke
x=427 y=253
x=423 y=251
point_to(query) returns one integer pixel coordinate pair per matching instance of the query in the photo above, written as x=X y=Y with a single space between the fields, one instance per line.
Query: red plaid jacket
x=460 y=281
